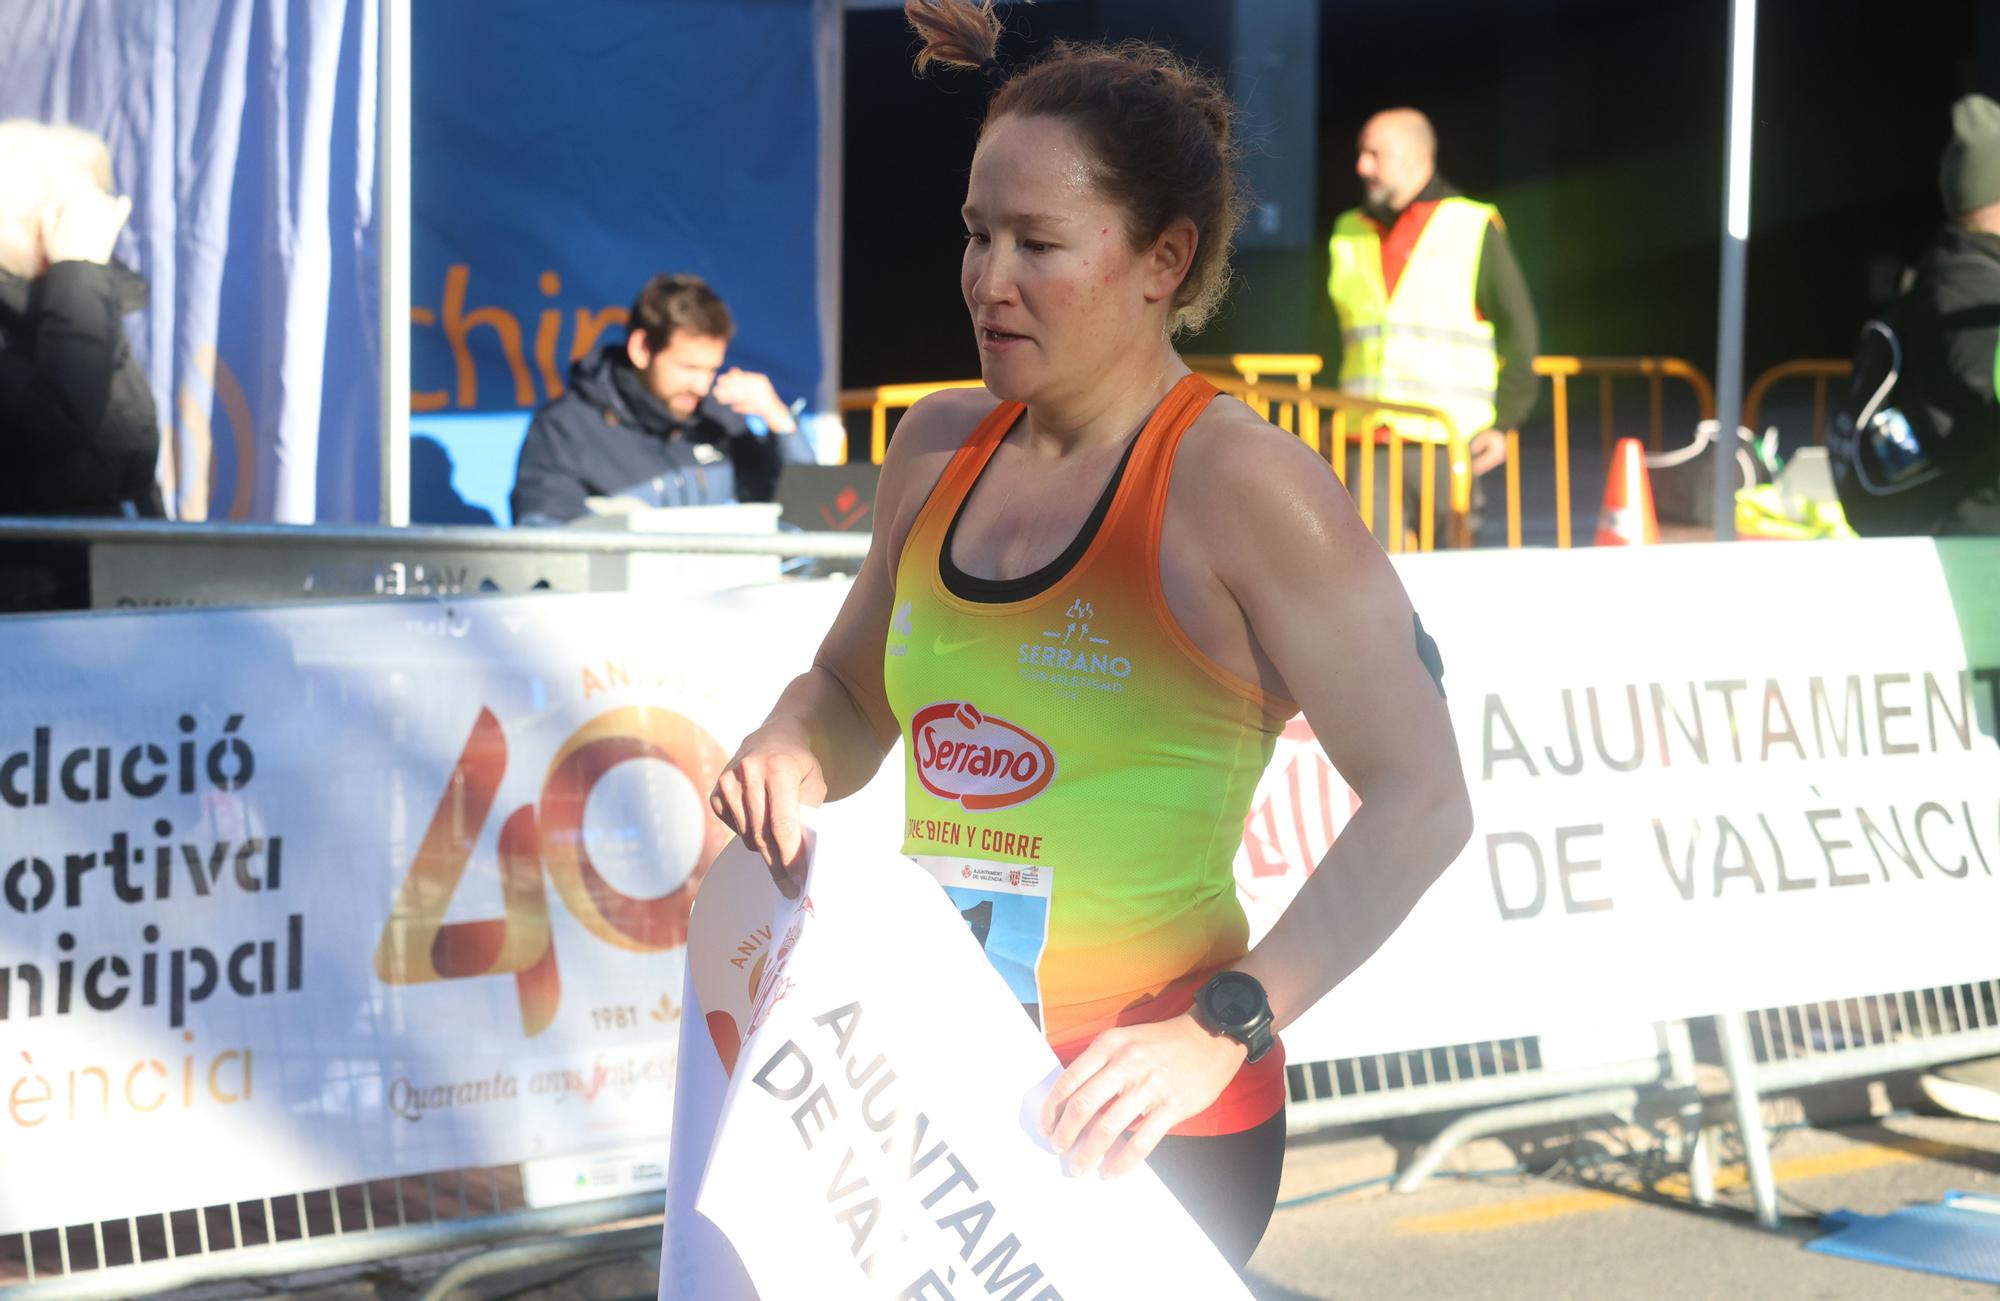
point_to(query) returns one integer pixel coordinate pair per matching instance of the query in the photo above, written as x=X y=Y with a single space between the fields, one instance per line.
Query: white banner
x=877 y=1138
x=1704 y=778
x=300 y=897
x=352 y=891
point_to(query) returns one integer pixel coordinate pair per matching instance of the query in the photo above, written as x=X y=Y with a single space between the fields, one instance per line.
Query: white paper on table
x=877 y=1139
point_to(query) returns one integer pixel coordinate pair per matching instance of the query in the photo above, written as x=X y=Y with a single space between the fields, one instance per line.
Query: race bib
x=1006 y=906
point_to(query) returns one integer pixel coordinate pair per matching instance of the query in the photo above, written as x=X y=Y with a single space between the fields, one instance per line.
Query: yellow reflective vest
x=1425 y=344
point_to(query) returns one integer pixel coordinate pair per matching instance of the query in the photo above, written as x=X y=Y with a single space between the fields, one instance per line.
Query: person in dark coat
x=78 y=430
x=79 y=434
x=1951 y=321
x=1928 y=462
x=657 y=419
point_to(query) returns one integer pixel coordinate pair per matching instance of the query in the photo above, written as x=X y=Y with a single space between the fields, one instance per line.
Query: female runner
x=1097 y=592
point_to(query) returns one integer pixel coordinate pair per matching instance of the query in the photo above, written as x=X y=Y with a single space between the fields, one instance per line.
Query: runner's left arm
x=1333 y=623
x=1329 y=612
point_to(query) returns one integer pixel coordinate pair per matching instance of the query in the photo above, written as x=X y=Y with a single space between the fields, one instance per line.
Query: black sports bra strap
x=1001 y=591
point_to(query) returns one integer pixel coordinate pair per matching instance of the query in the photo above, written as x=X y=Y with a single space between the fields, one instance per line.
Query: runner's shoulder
x=1260 y=503
x=940 y=422
x=1240 y=461
x=934 y=428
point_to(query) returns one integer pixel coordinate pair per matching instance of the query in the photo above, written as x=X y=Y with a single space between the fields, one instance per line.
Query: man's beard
x=1376 y=201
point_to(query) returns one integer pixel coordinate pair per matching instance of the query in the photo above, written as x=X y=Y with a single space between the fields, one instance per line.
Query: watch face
x=1235 y=1002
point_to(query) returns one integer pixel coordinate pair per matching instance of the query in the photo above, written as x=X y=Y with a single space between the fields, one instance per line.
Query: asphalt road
x=1614 y=1228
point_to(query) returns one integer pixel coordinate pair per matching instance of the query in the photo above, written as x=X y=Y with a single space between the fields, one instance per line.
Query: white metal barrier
x=1382 y=1086
x=1504 y=1085
x=1780 y=1050
x=1500 y=1085
x=304 y=1233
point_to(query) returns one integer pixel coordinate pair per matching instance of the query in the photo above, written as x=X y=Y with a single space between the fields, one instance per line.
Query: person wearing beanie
x=1948 y=326
x=1963 y=361
x=1969 y=172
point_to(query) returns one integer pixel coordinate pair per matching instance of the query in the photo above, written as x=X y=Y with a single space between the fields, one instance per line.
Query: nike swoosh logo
x=939 y=646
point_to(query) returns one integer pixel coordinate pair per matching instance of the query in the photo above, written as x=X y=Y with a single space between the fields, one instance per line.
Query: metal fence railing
x=1301 y=368
x=1559 y=371
x=1282 y=387
x=1814 y=1043
x=879 y=401
x=1507 y=1085
x=1278 y=387
x=1498 y=1085
x=297 y=1233
x=1257 y=370
x=1357 y=1090
x=1785 y=1049
x=1822 y=371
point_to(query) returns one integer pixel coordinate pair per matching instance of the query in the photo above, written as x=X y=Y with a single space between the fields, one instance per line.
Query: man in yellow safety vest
x=1433 y=311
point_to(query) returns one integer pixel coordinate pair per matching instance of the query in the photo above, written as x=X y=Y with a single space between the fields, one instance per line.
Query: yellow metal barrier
x=1249 y=369
x=1657 y=370
x=1300 y=408
x=1559 y=371
x=1254 y=368
x=1820 y=370
x=879 y=402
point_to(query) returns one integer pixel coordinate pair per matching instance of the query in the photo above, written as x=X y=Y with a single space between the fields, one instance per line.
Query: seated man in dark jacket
x=657 y=419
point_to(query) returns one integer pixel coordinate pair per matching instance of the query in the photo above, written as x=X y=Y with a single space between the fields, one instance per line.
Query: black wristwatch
x=1232 y=1003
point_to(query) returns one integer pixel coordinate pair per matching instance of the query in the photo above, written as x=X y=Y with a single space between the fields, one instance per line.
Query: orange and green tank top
x=1077 y=771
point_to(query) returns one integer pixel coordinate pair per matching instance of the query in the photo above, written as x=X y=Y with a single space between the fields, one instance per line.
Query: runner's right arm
x=832 y=726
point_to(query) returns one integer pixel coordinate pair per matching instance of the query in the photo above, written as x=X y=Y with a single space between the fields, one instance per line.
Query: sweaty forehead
x=1033 y=165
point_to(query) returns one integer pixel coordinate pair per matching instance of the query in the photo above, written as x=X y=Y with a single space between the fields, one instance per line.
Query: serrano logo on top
x=982 y=762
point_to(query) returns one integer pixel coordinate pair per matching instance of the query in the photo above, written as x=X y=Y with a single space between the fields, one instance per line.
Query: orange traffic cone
x=1627 y=519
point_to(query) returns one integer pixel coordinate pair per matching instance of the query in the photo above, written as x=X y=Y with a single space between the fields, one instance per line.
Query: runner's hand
x=1134 y=1083
x=758 y=797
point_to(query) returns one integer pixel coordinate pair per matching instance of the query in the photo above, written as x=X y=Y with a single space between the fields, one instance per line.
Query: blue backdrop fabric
x=244 y=131
x=561 y=154
x=564 y=154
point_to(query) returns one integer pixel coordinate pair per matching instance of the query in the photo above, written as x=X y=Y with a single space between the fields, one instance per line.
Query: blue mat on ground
x=1959 y=1238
